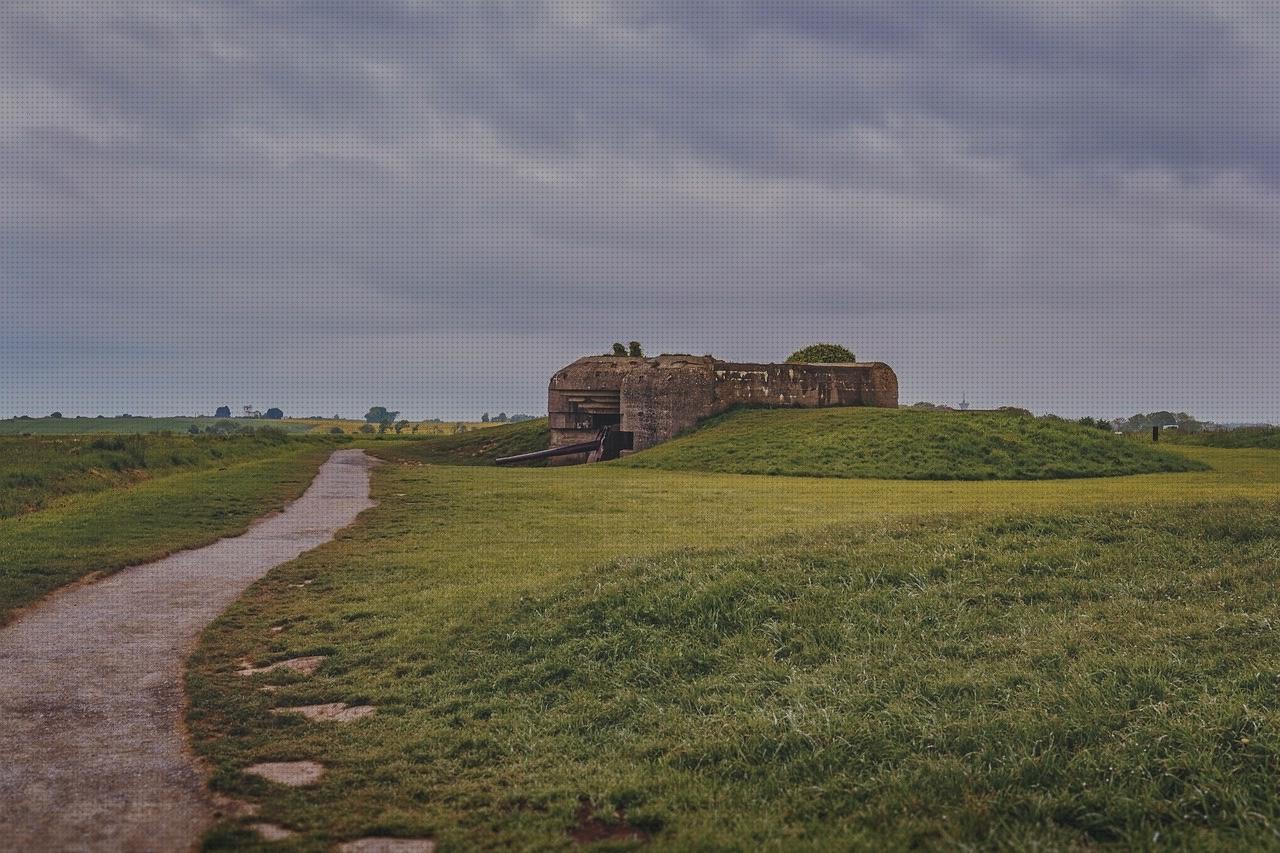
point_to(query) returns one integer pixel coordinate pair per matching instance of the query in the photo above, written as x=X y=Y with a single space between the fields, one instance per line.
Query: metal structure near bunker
x=601 y=407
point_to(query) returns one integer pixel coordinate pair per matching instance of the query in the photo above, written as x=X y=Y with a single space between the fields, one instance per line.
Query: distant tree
x=635 y=350
x=380 y=415
x=56 y=415
x=484 y=419
x=223 y=412
x=619 y=349
x=1096 y=423
x=274 y=414
x=501 y=418
x=822 y=354
x=1144 y=422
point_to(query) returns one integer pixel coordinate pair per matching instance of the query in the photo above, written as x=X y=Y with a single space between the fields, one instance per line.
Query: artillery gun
x=608 y=444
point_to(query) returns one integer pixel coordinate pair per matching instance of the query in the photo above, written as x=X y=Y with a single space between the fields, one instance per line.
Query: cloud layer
x=323 y=205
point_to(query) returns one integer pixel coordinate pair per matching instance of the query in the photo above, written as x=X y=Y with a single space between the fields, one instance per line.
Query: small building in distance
x=649 y=400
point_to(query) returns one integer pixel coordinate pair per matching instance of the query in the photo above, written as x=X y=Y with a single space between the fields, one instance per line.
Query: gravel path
x=92 y=756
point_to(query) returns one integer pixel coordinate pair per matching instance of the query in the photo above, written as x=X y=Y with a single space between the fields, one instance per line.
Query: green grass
x=1260 y=437
x=101 y=532
x=904 y=444
x=132 y=425
x=36 y=470
x=740 y=661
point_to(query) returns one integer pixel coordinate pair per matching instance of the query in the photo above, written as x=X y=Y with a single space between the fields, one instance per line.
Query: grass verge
x=706 y=660
x=35 y=470
x=905 y=444
x=103 y=532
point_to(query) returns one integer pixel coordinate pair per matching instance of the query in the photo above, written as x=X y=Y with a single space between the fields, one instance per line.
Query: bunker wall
x=657 y=399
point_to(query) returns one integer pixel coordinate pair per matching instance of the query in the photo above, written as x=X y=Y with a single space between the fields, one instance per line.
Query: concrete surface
x=92 y=754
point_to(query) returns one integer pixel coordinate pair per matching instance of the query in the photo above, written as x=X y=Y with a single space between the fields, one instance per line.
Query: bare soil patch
x=302 y=666
x=331 y=712
x=272 y=832
x=388 y=845
x=295 y=774
x=591 y=829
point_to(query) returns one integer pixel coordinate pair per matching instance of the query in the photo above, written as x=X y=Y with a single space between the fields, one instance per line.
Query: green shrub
x=822 y=354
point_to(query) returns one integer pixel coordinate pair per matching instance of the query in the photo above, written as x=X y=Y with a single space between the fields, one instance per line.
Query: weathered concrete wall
x=657 y=399
x=667 y=398
x=806 y=385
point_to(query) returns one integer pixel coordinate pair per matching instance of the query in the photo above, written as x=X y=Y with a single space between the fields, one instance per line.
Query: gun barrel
x=568 y=449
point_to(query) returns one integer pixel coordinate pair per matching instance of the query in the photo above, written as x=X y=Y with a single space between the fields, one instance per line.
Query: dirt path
x=91 y=754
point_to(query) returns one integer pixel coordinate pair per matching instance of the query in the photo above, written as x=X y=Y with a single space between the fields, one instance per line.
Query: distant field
x=415 y=429
x=83 y=426
x=725 y=661
x=905 y=444
x=133 y=425
x=475 y=447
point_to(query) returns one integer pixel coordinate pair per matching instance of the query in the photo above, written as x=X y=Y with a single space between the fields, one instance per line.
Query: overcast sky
x=1068 y=206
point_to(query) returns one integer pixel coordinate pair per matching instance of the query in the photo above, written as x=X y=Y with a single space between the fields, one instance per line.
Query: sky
x=1072 y=207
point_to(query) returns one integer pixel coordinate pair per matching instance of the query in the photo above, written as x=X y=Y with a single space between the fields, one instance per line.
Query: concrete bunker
x=607 y=406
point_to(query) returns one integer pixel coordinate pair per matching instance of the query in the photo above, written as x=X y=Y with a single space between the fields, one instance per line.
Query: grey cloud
x=394 y=197
x=1174 y=84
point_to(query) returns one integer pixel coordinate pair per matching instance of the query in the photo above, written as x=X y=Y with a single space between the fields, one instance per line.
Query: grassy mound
x=870 y=688
x=905 y=444
x=477 y=447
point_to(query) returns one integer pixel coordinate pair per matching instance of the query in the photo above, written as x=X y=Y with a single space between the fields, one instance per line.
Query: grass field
x=905 y=444
x=725 y=661
x=99 y=525
x=1261 y=437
